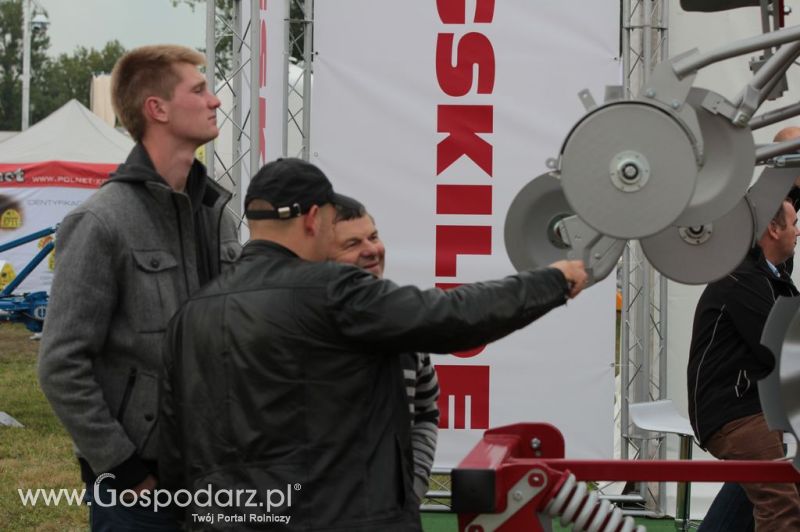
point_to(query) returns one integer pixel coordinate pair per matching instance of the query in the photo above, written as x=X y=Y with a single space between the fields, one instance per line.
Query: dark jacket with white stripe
x=726 y=358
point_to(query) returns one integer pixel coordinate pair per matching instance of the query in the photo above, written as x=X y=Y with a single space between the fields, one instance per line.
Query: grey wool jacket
x=126 y=259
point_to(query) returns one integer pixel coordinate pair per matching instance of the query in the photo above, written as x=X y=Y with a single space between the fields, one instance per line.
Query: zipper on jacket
x=180 y=238
x=126 y=396
x=219 y=234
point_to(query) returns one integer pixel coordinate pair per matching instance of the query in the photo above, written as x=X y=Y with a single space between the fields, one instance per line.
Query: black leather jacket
x=284 y=374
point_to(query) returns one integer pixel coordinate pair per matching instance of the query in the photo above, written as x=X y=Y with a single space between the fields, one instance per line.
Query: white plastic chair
x=662 y=416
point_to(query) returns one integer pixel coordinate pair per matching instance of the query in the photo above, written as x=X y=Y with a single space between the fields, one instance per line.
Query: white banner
x=435 y=114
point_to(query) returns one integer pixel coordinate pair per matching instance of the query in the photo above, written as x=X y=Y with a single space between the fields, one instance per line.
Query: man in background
x=727 y=359
x=731 y=510
x=356 y=242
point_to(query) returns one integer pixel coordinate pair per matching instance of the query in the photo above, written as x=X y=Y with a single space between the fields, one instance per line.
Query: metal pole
x=645 y=271
x=663 y=296
x=26 y=63
x=695 y=62
x=211 y=61
x=308 y=51
x=624 y=353
x=236 y=111
x=287 y=52
x=626 y=51
x=255 y=73
x=647 y=39
x=663 y=299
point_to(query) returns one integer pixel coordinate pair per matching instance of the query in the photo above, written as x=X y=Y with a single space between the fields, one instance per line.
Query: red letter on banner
x=455 y=11
x=463 y=199
x=454 y=240
x=462 y=123
x=460 y=382
x=473 y=49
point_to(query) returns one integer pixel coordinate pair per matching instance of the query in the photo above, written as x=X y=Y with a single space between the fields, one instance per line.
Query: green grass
x=38 y=455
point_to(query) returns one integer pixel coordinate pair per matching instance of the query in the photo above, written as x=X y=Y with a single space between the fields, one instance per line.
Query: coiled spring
x=575 y=505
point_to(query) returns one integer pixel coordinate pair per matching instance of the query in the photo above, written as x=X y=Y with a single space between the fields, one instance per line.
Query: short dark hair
x=346 y=213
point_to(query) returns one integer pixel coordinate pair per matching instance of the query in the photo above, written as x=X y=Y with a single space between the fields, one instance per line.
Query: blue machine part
x=29 y=309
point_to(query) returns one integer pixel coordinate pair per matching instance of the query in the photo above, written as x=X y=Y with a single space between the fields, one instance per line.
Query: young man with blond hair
x=126 y=259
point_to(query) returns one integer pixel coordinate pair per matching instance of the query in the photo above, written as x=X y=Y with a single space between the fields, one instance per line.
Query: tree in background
x=54 y=82
x=69 y=76
x=11 y=64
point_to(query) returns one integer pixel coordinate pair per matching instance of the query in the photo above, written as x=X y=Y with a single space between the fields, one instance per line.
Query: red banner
x=54 y=174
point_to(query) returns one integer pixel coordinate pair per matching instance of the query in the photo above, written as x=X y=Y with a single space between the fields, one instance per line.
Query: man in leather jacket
x=125 y=261
x=282 y=374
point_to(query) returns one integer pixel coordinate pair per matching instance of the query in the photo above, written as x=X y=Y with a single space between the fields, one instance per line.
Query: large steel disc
x=530 y=231
x=773 y=338
x=728 y=160
x=701 y=254
x=790 y=380
x=628 y=169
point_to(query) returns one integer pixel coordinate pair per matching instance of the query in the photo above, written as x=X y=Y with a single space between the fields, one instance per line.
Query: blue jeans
x=731 y=511
x=120 y=518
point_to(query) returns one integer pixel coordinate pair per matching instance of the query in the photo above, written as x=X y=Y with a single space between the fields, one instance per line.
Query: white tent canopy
x=71 y=133
x=47 y=171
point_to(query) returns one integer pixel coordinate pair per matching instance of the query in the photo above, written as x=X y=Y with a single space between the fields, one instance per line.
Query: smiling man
x=356 y=242
x=126 y=259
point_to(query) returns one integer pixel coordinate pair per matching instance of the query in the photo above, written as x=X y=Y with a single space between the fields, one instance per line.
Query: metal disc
x=530 y=235
x=773 y=338
x=789 y=374
x=695 y=256
x=628 y=169
x=728 y=161
x=766 y=195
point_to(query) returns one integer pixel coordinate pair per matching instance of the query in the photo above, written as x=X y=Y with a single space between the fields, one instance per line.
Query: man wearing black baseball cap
x=282 y=376
x=292 y=186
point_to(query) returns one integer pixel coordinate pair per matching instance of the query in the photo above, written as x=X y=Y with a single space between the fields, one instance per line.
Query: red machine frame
x=516 y=472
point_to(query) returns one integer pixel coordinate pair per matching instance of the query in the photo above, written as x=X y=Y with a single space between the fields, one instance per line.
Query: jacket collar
x=757 y=262
x=260 y=247
x=138 y=167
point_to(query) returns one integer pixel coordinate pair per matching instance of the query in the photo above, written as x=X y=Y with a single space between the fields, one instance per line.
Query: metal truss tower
x=643 y=318
x=300 y=51
x=231 y=41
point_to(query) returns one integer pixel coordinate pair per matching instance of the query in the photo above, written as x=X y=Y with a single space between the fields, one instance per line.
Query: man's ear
x=155 y=110
x=773 y=229
x=311 y=221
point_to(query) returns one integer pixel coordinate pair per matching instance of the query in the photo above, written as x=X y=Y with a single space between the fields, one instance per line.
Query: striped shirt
x=422 y=388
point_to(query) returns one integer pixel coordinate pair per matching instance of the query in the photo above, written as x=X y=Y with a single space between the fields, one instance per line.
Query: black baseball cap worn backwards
x=292 y=186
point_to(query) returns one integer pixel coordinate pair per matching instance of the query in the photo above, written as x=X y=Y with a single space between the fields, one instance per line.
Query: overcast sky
x=92 y=23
